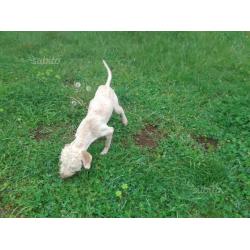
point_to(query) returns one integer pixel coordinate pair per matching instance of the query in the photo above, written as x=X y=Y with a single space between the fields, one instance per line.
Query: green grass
x=188 y=84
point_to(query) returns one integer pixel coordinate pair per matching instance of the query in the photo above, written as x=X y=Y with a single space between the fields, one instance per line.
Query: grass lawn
x=184 y=153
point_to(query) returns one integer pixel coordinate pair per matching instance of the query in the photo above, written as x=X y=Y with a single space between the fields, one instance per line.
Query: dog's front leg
x=108 y=133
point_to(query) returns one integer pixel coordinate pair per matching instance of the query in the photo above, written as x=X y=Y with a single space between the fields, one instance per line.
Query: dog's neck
x=82 y=137
x=81 y=143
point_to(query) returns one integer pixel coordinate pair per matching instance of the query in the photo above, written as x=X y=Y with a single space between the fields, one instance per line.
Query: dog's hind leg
x=108 y=133
x=119 y=110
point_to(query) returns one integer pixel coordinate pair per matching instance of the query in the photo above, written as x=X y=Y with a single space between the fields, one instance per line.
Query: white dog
x=92 y=127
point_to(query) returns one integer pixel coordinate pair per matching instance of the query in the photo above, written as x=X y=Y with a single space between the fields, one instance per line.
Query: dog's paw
x=104 y=151
x=125 y=121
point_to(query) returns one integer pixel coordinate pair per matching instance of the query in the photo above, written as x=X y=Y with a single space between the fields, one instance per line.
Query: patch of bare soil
x=65 y=131
x=41 y=133
x=148 y=136
x=206 y=142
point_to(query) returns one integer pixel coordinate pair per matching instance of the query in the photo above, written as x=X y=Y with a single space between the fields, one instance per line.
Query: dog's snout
x=63 y=176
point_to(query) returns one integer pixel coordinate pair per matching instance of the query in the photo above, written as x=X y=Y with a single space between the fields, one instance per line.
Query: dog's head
x=72 y=159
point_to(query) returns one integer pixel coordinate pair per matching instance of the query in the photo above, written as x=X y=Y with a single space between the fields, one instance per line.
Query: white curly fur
x=92 y=127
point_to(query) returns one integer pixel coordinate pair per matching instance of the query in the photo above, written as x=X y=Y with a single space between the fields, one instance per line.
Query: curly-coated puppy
x=92 y=127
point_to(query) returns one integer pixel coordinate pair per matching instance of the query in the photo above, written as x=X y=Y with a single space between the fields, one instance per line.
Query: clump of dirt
x=206 y=142
x=149 y=136
x=41 y=133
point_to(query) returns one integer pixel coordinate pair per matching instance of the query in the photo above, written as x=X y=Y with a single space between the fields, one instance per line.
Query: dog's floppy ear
x=86 y=158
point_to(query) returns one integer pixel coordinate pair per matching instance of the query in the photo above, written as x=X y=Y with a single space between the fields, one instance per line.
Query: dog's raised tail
x=109 y=73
